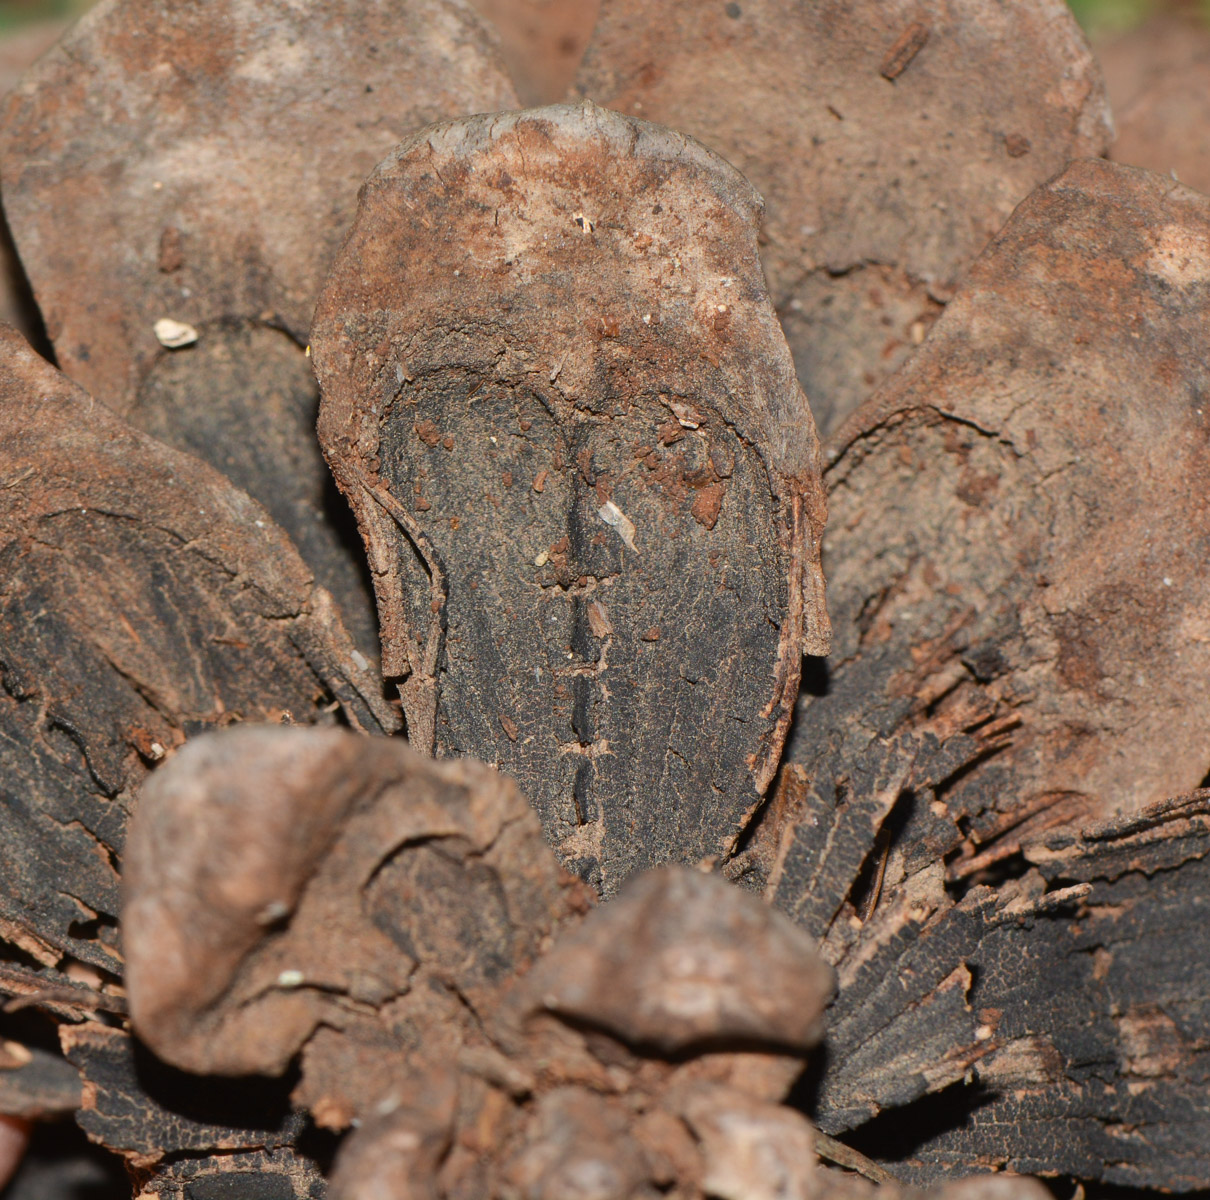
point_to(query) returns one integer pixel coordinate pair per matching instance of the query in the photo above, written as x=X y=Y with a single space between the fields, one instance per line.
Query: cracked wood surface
x=890 y=141
x=1074 y=1040
x=1019 y=521
x=210 y=156
x=559 y=403
x=1017 y=525
x=142 y=599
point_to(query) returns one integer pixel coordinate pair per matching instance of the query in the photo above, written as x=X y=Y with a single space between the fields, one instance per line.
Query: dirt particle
x=172 y=254
x=540 y=481
x=905 y=48
x=652 y=635
x=427 y=432
x=448 y=441
x=686 y=415
x=509 y=726
x=1017 y=145
x=706 y=506
x=598 y=620
x=507 y=479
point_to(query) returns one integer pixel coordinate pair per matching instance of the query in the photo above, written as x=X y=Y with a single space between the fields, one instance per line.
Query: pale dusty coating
x=178 y=175
x=209 y=154
x=559 y=402
x=889 y=139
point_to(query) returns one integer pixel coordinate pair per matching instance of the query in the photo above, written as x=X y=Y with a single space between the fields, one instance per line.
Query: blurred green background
x=1097 y=16
x=1112 y=16
x=14 y=13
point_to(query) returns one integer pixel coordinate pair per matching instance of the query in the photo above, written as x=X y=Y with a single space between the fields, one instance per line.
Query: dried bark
x=904 y=135
x=210 y=155
x=136 y=1107
x=569 y=427
x=248 y=1175
x=35 y=1084
x=1081 y=1036
x=143 y=599
x=1014 y=562
x=1015 y=579
x=468 y=1035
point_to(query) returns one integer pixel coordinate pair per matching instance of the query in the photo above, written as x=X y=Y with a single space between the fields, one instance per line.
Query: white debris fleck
x=542 y=559
x=157 y=751
x=174 y=334
x=273 y=912
x=259 y=524
x=359 y=660
x=290 y=979
x=1167 y=581
x=687 y=417
x=612 y=515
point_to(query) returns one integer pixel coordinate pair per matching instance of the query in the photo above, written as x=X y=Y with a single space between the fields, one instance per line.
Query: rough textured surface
x=210 y=153
x=570 y=430
x=18 y=49
x=1071 y=1038
x=1158 y=78
x=403 y=918
x=243 y=1175
x=1015 y=576
x=144 y=1111
x=1018 y=527
x=143 y=598
x=542 y=42
x=904 y=133
x=721 y=971
x=279 y=880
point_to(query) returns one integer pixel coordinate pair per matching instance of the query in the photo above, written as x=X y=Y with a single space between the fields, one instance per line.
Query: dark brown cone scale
x=209 y=154
x=1016 y=561
x=889 y=140
x=143 y=599
x=557 y=398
